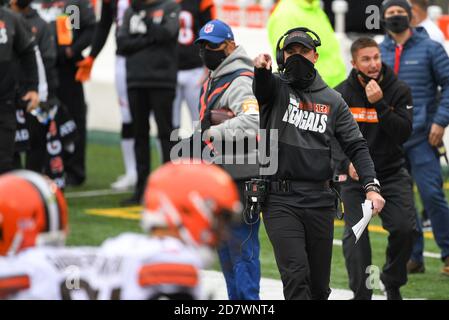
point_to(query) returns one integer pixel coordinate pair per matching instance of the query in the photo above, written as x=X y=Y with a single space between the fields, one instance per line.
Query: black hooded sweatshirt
x=306 y=121
x=386 y=125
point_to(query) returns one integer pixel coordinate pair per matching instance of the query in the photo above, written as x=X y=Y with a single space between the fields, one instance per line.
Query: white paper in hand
x=367 y=209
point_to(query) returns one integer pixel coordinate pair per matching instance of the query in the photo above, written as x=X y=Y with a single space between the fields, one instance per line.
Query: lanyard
x=397 y=58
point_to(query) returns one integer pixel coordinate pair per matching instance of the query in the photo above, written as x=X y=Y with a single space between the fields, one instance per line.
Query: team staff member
x=300 y=207
x=114 y=10
x=69 y=45
x=420 y=18
x=148 y=39
x=16 y=43
x=382 y=106
x=44 y=38
x=423 y=65
x=194 y=14
x=229 y=86
x=45 y=42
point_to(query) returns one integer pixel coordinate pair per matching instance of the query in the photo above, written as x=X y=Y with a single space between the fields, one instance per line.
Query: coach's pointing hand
x=263 y=60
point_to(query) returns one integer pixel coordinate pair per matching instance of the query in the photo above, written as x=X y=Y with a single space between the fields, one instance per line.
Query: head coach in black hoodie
x=306 y=115
x=382 y=106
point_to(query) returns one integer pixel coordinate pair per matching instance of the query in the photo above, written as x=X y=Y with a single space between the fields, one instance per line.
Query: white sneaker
x=124 y=182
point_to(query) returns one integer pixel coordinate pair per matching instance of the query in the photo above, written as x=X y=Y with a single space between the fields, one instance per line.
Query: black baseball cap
x=300 y=37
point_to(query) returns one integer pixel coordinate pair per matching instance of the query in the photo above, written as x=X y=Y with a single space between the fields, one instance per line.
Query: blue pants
x=239 y=259
x=426 y=171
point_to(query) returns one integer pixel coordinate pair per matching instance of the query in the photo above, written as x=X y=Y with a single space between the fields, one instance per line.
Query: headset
x=280 y=52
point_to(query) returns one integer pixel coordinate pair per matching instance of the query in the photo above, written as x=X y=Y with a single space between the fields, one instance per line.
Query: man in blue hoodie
x=424 y=65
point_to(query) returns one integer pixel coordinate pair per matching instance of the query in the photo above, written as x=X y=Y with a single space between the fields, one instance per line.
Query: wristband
x=372 y=186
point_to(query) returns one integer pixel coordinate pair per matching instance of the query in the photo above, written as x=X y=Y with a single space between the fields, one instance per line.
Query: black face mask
x=22 y=4
x=212 y=59
x=299 y=71
x=397 y=24
x=367 y=78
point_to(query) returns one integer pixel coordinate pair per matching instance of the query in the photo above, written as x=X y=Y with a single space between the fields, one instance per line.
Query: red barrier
x=255 y=16
x=230 y=13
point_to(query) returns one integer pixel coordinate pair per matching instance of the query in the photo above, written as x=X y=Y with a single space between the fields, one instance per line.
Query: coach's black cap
x=300 y=37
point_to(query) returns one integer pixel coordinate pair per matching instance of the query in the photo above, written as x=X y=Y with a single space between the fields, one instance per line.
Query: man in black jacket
x=16 y=44
x=35 y=142
x=382 y=106
x=148 y=39
x=299 y=210
x=45 y=41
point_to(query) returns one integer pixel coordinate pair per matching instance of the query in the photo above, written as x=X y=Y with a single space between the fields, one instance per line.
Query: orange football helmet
x=33 y=212
x=196 y=199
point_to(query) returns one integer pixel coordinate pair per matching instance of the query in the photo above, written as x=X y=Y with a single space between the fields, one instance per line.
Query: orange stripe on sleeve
x=173 y=274
x=202 y=99
x=368 y=115
x=247 y=73
x=217 y=91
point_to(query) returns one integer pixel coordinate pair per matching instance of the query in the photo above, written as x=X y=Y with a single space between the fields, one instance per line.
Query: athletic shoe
x=124 y=182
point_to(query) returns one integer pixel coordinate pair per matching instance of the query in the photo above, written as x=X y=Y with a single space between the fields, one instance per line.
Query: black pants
x=398 y=218
x=7 y=135
x=36 y=155
x=71 y=94
x=302 y=242
x=141 y=102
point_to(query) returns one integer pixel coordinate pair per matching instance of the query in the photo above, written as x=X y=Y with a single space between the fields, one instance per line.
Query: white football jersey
x=130 y=266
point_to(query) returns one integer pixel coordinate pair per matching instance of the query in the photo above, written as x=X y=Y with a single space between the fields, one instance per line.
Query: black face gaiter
x=397 y=24
x=22 y=4
x=299 y=71
x=212 y=59
x=367 y=78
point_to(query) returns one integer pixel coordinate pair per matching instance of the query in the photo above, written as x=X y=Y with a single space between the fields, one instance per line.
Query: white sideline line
x=94 y=193
x=270 y=289
x=426 y=254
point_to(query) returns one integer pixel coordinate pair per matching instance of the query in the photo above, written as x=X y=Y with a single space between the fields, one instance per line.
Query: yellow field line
x=131 y=213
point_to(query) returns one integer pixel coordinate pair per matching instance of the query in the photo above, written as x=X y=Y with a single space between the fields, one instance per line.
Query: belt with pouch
x=289 y=185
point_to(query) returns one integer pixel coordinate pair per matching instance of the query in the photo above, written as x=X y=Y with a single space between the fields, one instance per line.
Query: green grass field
x=104 y=164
